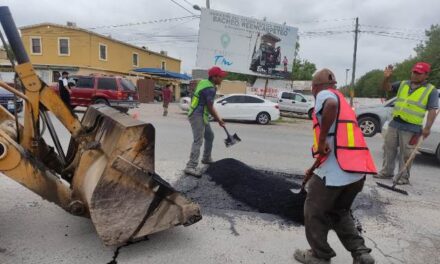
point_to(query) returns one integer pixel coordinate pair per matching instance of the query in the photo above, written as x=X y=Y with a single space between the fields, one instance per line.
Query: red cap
x=216 y=71
x=421 y=67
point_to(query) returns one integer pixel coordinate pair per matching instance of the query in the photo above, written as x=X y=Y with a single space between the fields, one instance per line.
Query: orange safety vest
x=349 y=146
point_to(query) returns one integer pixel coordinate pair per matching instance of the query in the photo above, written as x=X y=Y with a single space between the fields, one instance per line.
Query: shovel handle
x=227 y=133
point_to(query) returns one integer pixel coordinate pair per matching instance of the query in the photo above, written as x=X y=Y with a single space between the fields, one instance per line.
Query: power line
x=394 y=28
x=157 y=21
x=191 y=4
x=384 y=34
x=183 y=7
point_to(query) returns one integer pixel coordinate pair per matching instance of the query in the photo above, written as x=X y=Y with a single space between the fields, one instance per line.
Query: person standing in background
x=167 y=94
x=64 y=89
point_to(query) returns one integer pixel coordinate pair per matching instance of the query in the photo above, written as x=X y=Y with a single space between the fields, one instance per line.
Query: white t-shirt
x=330 y=171
x=65 y=82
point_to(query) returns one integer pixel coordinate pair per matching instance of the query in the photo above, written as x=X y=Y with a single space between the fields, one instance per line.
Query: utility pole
x=353 y=73
x=208 y=6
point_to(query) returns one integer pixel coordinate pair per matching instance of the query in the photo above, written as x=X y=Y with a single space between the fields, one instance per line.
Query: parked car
x=247 y=107
x=184 y=103
x=372 y=118
x=7 y=101
x=117 y=92
x=296 y=103
x=432 y=144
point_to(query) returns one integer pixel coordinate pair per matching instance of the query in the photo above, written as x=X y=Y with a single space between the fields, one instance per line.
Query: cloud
x=335 y=51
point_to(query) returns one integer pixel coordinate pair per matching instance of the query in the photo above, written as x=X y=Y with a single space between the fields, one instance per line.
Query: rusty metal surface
x=115 y=178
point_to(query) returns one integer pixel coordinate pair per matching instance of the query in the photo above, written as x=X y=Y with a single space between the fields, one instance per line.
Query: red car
x=117 y=92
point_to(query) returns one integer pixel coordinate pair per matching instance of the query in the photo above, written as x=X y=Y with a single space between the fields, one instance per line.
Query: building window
x=36 y=46
x=135 y=59
x=102 y=52
x=163 y=65
x=63 y=46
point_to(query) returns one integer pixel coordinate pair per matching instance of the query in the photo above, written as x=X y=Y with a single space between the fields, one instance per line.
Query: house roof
x=96 y=34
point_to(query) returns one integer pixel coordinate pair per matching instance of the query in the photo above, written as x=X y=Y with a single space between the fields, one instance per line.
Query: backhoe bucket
x=114 y=180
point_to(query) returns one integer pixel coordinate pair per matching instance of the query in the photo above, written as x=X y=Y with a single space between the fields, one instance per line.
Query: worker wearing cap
x=414 y=98
x=339 y=146
x=202 y=105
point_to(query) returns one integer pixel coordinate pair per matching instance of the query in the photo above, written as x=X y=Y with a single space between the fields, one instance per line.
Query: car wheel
x=101 y=101
x=369 y=126
x=310 y=113
x=263 y=118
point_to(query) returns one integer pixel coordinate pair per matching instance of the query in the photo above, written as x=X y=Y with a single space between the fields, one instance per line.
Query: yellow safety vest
x=203 y=84
x=411 y=108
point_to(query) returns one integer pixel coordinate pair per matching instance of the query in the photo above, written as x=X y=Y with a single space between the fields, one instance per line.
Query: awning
x=163 y=73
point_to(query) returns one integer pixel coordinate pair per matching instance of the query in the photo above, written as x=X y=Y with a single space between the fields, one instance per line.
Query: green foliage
x=303 y=70
x=430 y=52
x=233 y=76
x=370 y=85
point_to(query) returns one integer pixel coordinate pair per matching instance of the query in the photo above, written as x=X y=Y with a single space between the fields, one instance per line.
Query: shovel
x=231 y=140
x=302 y=189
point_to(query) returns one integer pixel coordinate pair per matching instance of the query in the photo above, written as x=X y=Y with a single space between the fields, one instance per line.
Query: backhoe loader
x=108 y=171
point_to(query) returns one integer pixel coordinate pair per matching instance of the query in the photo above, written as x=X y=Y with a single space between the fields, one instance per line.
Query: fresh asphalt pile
x=265 y=191
x=230 y=184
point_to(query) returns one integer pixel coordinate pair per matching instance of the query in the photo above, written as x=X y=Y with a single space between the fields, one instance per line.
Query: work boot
x=382 y=176
x=207 y=161
x=306 y=257
x=403 y=181
x=193 y=172
x=364 y=258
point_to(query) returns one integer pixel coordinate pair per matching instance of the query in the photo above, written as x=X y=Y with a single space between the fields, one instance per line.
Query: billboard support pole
x=265 y=88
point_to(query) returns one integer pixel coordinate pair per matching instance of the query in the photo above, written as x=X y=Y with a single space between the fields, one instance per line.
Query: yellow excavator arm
x=108 y=172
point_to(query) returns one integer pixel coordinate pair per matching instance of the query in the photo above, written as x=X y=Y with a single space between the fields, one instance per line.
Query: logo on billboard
x=245 y=45
x=225 y=39
x=221 y=60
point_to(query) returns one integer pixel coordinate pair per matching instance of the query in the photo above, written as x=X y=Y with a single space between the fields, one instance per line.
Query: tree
x=303 y=70
x=370 y=84
x=233 y=76
x=428 y=51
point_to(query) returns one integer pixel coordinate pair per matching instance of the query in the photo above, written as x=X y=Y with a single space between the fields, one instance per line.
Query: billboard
x=245 y=45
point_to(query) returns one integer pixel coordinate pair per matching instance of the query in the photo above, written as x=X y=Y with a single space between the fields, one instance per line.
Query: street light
x=346 y=77
x=197 y=7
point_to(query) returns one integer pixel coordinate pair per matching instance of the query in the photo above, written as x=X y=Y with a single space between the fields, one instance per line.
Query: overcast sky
x=407 y=18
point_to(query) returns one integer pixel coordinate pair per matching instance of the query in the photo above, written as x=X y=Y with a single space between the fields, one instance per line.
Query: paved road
x=400 y=229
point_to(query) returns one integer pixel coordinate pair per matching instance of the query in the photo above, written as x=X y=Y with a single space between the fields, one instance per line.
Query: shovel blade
x=392 y=188
x=297 y=190
x=232 y=140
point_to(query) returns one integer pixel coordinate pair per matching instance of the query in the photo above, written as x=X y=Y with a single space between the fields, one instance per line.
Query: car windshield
x=128 y=85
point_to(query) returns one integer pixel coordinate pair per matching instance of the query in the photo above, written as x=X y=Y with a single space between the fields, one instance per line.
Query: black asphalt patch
x=266 y=191
x=232 y=185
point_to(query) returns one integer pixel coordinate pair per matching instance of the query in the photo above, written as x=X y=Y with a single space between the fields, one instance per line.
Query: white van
x=296 y=103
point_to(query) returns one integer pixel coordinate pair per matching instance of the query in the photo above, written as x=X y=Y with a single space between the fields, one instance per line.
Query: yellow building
x=54 y=48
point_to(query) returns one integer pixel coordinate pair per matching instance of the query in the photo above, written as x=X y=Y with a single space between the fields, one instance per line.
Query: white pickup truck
x=296 y=103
